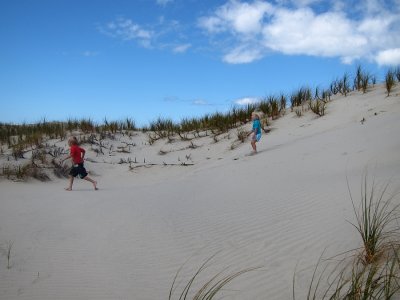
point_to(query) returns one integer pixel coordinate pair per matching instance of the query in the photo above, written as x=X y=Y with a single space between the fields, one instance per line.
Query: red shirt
x=76 y=154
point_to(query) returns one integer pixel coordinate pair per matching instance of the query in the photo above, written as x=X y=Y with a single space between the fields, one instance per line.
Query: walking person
x=256 y=131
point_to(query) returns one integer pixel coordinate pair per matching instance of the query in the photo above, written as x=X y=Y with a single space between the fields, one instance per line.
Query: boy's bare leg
x=71 y=181
x=87 y=178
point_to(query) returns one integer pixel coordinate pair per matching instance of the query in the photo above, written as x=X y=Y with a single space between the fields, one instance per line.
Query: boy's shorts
x=78 y=169
x=257 y=137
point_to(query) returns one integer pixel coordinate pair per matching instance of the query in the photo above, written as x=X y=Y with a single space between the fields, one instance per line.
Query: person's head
x=73 y=141
x=255 y=115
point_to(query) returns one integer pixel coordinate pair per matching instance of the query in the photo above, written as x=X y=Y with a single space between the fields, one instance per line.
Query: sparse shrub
x=358 y=78
x=60 y=170
x=365 y=82
x=18 y=151
x=317 y=107
x=274 y=104
x=298 y=112
x=265 y=107
x=389 y=81
x=345 y=85
x=242 y=135
x=38 y=173
x=300 y=97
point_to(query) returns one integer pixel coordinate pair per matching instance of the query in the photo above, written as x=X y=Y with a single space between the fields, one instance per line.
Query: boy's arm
x=82 y=153
x=69 y=156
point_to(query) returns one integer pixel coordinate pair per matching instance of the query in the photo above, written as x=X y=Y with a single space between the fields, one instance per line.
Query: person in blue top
x=256 y=131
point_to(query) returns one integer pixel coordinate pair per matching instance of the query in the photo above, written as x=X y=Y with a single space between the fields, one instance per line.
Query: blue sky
x=143 y=59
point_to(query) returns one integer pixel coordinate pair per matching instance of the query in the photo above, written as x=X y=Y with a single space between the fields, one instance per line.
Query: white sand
x=277 y=209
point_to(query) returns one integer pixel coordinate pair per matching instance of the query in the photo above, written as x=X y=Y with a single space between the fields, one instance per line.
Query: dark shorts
x=78 y=169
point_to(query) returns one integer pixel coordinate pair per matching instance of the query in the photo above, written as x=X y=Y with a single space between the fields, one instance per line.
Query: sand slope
x=277 y=209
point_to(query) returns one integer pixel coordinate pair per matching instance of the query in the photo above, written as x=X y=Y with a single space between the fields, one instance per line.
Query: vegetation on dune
x=373 y=270
x=19 y=140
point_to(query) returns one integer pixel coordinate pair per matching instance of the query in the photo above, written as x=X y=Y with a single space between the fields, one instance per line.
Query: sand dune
x=278 y=209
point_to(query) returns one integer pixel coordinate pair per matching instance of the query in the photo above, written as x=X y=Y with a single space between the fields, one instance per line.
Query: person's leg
x=87 y=178
x=253 y=145
x=71 y=182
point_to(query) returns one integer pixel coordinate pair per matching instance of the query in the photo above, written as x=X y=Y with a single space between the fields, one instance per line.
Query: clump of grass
x=373 y=272
x=317 y=107
x=389 y=81
x=376 y=220
x=300 y=97
x=209 y=289
x=242 y=135
x=351 y=279
x=365 y=82
x=298 y=112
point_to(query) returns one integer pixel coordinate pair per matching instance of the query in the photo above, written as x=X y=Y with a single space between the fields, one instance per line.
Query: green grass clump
x=372 y=271
x=376 y=220
x=210 y=288
x=300 y=97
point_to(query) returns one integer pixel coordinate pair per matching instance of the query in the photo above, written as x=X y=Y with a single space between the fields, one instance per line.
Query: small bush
x=389 y=81
x=317 y=107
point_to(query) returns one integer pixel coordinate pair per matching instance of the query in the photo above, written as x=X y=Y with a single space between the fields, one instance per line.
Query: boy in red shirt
x=77 y=155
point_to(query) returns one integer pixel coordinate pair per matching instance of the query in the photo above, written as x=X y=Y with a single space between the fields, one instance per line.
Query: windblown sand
x=279 y=209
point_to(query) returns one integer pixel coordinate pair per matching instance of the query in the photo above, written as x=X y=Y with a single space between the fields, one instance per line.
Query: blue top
x=257 y=126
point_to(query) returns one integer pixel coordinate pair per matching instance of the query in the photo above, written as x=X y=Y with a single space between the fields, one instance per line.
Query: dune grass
x=389 y=81
x=373 y=270
x=376 y=220
x=207 y=290
x=19 y=139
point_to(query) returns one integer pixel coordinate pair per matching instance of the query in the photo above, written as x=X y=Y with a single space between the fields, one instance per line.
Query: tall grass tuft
x=373 y=273
x=317 y=107
x=300 y=97
x=376 y=220
x=389 y=81
x=358 y=78
x=210 y=288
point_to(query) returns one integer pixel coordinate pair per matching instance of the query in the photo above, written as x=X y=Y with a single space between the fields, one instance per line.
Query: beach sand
x=279 y=209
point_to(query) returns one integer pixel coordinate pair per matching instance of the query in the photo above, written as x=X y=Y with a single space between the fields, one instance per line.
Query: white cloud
x=246 y=101
x=389 y=57
x=181 y=48
x=243 y=54
x=243 y=18
x=260 y=27
x=152 y=36
x=127 y=30
x=302 y=32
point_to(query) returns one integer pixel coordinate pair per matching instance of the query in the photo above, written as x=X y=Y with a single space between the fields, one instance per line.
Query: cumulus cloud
x=389 y=57
x=242 y=18
x=293 y=27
